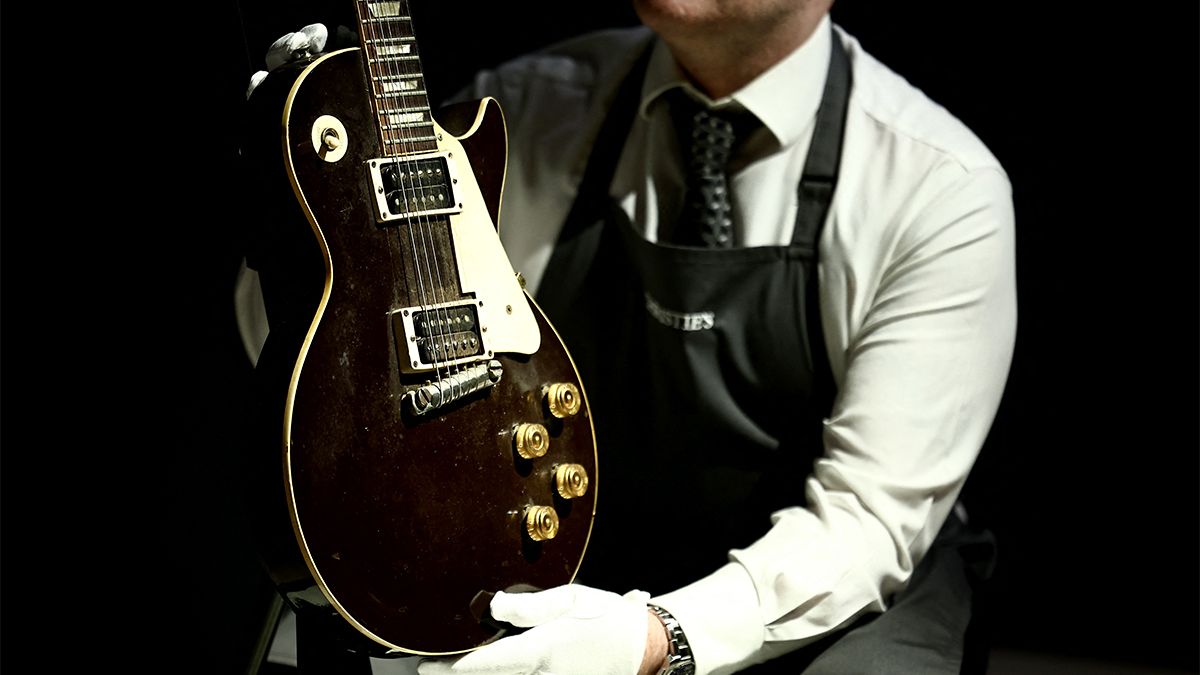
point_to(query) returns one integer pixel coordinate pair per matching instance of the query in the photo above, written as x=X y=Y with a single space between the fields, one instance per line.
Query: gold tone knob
x=570 y=480
x=563 y=399
x=541 y=522
x=532 y=440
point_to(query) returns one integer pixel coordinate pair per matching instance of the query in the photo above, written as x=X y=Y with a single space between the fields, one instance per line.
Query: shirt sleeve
x=920 y=378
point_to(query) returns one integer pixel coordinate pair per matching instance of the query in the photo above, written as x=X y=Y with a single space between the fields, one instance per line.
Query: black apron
x=705 y=369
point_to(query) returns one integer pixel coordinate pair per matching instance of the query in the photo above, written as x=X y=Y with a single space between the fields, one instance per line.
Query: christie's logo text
x=679 y=320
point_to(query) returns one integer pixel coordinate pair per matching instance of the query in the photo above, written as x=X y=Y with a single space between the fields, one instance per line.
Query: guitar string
x=408 y=140
x=390 y=143
x=408 y=147
x=378 y=103
x=388 y=135
x=454 y=366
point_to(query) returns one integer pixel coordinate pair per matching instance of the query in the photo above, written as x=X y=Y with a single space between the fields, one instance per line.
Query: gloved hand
x=574 y=630
x=291 y=47
x=303 y=43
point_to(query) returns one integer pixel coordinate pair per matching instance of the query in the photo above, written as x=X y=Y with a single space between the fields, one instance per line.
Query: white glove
x=574 y=630
x=303 y=43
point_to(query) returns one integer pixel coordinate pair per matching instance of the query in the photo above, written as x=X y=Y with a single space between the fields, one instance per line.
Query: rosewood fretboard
x=397 y=84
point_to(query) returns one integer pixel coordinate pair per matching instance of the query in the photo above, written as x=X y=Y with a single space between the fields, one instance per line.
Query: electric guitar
x=436 y=440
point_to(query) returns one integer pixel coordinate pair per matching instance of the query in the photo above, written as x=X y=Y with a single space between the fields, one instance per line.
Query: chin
x=678 y=16
x=674 y=15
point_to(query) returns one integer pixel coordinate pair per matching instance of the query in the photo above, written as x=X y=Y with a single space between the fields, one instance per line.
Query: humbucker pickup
x=440 y=335
x=411 y=186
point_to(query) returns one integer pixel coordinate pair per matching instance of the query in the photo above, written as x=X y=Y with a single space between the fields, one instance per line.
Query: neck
x=723 y=61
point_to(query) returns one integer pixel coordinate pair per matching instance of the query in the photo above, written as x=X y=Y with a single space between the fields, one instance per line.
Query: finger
x=435 y=667
x=316 y=35
x=515 y=655
x=255 y=80
x=533 y=609
x=282 y=40
x=307 y=41
x=279 y=52
x=640 y=597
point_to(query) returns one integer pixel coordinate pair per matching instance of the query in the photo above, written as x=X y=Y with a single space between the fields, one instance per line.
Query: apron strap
x=578 y=241
x=815 y=194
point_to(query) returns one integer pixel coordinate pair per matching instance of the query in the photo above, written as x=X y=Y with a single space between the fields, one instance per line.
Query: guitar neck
x=397 y=84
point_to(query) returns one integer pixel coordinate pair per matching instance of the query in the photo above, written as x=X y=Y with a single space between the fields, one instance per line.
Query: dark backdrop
x=123 y=540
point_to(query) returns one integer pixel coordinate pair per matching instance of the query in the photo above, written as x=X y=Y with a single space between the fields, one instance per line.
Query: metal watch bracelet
x=679 y=652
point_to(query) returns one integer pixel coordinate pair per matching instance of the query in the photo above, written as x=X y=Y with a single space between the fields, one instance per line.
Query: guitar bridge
x=437 y=336
x=446 y=390
x=416 y=185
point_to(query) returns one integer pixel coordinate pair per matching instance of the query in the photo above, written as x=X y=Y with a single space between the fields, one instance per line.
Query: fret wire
x=393 y=61
x=424 y=107
x=409 y=67
x=396 y=99
x=413 y=116
x=412 y=139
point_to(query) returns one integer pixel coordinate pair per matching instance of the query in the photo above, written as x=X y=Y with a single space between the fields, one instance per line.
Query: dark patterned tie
x=707 y=138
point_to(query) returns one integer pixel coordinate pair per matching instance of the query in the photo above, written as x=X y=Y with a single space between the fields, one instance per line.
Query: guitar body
x=400 y=518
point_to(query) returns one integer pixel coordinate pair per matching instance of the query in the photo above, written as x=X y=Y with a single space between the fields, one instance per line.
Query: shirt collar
x=784 y=97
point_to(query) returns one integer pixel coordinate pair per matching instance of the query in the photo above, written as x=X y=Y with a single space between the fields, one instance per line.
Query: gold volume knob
x=570 y=480
x=563 y=399
x=541 y=522
x=531 y=440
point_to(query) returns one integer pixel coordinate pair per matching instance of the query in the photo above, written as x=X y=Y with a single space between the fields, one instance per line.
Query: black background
x=123 y=543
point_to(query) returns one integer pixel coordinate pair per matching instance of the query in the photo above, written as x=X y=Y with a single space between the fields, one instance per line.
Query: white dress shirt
x=918 y=304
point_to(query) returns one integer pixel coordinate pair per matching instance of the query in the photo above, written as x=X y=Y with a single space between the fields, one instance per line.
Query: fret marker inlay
x=405 y=85
x=393 y=50
x=405 y=118
x=384 y=9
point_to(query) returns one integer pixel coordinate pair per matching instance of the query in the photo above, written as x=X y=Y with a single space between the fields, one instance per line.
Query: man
x=794 y=323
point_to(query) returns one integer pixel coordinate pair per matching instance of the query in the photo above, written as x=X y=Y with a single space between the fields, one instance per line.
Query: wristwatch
x=679 y=653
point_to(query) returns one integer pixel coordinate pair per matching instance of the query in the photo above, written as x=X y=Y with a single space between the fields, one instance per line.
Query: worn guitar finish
x=400 y=518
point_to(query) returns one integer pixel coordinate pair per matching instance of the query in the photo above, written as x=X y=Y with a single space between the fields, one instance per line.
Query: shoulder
x=580 y=68
x=899 y=113
x=911 y=168
x=917 y=186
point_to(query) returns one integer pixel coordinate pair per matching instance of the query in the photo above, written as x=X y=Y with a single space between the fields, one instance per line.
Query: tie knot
x=711 y=140
x=706 y=134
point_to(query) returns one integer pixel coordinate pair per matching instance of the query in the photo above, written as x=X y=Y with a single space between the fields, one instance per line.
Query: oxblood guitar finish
x=399 y=520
